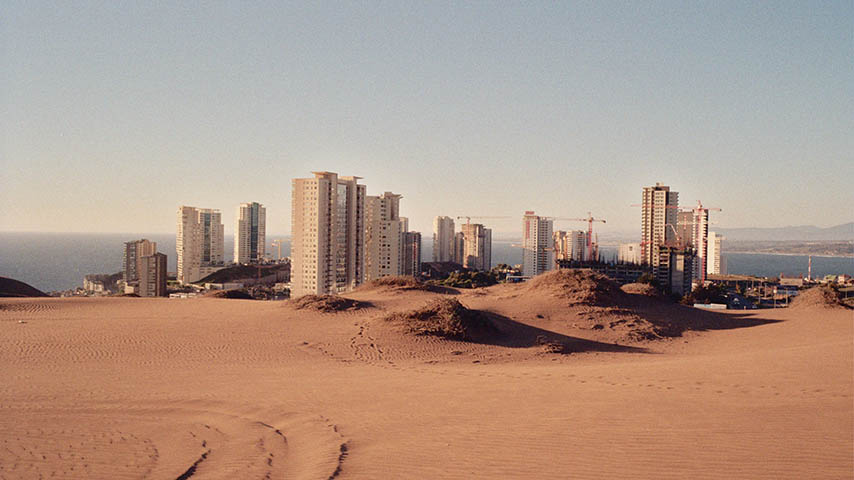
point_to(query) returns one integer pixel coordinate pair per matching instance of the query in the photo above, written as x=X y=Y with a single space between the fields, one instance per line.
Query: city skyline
x=746 y=107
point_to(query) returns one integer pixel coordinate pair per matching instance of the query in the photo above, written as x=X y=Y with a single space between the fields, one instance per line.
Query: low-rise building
x=674 y=270
x=792 y=281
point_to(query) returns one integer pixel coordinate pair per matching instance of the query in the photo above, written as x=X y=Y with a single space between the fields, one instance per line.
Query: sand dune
x=222 y=388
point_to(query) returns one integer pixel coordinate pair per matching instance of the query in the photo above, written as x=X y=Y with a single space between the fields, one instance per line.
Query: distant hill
x=14 y=288
x=795 y=233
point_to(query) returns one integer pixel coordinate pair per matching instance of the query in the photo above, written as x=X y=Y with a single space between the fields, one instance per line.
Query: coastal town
x=342 y=238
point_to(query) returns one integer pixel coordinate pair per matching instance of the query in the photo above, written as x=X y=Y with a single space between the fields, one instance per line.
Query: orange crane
x=591 y=255
x=469 y=217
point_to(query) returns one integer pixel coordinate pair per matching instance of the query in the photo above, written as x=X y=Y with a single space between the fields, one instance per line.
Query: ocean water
x=52 y=261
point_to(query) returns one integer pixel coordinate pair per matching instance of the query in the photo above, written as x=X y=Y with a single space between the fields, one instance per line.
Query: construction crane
x=469 y=217
x=697 y=212
x=589 y=221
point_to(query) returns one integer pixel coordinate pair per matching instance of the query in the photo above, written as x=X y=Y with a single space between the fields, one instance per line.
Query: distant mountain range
x=807 y=233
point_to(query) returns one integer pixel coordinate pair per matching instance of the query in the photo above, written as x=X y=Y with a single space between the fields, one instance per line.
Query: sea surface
x=53 y=261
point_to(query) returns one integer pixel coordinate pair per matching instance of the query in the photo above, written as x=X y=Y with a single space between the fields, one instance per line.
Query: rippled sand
x=215 y=388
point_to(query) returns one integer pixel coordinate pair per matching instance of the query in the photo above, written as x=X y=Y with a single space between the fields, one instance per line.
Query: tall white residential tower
x=383 y=236
x=715 y=261
x=477 y=246
x=700 y=240
x=537 y=244
x=328 y=234
x=199 y=243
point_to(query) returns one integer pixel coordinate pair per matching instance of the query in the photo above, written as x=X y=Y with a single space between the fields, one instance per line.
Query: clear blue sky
x=115 y=113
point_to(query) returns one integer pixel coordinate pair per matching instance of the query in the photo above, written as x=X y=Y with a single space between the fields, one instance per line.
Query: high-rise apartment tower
x=199 y=243
x=659 y=208
x=152 y=276
x=250 y=233
x=411 y=253
x=537 y=244
x=477 y=246
x=134 y=251
x=443 y=239
x=328 y=234
x=383 y=236
x=715 y=261
x=700 y=240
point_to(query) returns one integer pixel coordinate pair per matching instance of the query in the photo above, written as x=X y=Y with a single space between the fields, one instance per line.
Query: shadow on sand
x=672 y=320
x=667 y=320
x=513 y=334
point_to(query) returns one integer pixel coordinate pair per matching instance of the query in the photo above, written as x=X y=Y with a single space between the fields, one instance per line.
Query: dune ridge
x=220 y=388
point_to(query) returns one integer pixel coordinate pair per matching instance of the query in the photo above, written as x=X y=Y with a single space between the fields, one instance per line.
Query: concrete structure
x=684 y=230
x=658 y=221
x=199 y=243
x=152 y=276
x=578 y=245
x=791 y=281
x=715 y=261
x=383 y=236
x=133 y=253
x=562 y=245
x=443 y=239
x=250 y=233
x=411 y=257
x=571 y=245
x=700 y=241
x=459 y=248
x=328 y=234
x=537 y=245
x=629 y=253
x=674 y=269
x=477 y=247
x=224 y=286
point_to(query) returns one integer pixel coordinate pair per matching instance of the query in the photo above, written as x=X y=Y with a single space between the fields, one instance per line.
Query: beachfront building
x=715 y=261
x=477 y=246
x=199 y=243
x=659 y=208
x=443 y=239
x=133 y=252
x=537 y=244
x=328 y=234
x=152 y=276
x=383 y=236
x=250 y=233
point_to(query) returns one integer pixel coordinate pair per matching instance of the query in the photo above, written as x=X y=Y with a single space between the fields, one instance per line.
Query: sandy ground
x=216 y=388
